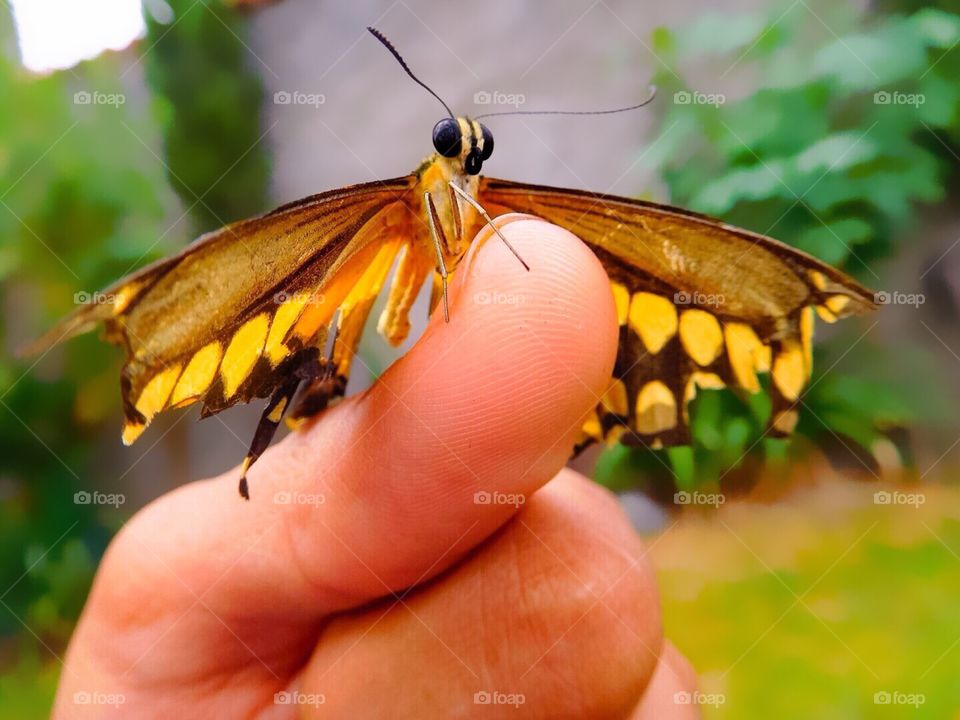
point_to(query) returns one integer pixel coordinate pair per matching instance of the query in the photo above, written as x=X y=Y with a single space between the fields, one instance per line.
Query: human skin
x=364 y=579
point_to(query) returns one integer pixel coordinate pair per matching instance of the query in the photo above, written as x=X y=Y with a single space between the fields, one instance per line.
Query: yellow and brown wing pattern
x=701 y=304
x=230 y=317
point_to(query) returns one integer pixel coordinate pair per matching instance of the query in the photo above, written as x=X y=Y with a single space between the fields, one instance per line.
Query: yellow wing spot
x=621 y=297
x=197 y=376
x=654 y=319
x=615 y=434
x=656 y=408
x=762 y=358
x=837 y=303
x=786 y=421
x=286 y=315
x=824 y=312
x=614 y=400
x=701 y=336
x=788 y=370
x=127 y=293
x=742 y=348
x=277 y=413
x=297 y=424
x=818 y=279
x=153 y=398
x=708 y=381
x=242 y=353
x=806 y=340
x=131 y=431
x=591 y=426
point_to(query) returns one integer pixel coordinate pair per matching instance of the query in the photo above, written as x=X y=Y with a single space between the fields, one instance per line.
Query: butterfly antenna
x=646 y=101
x=393 y=51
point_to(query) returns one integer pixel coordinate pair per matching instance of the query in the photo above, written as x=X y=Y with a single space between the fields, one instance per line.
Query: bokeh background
x=812 y=578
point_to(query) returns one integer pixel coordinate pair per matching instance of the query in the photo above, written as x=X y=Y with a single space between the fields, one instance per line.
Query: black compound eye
x=487 y=142
x=446 y=137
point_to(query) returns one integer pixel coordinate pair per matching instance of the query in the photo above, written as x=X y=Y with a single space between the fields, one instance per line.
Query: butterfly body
x=459 y=221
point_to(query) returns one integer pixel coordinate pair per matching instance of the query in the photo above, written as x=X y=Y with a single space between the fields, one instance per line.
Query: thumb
x=484 y=408
x=422 y=467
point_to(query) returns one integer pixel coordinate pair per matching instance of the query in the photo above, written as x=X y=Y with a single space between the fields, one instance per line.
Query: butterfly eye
x=487 y=142
x=446 y=137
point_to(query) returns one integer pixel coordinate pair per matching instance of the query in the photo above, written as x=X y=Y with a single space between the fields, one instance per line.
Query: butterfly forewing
x=222 y=321
x=701 y=304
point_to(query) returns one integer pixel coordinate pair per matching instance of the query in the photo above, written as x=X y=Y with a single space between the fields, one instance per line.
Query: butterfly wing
x=230 y=317
x=701 y=304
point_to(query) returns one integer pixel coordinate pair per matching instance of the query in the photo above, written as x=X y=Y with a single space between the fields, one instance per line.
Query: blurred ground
x=823 y=604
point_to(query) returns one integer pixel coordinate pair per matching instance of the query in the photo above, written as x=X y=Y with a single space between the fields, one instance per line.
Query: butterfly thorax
x=458 y=220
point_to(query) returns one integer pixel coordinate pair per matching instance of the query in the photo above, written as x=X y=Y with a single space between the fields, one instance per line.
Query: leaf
x=865 y=62
x=940 y=29
x=720 y=33
x=836 y=153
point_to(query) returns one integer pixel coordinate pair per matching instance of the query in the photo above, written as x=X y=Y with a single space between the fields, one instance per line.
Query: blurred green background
x=833 y=127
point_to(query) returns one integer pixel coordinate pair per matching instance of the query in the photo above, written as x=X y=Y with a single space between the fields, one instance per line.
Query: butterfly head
x=463 y=139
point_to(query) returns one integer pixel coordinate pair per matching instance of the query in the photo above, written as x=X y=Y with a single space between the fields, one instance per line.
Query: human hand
x=387 y=587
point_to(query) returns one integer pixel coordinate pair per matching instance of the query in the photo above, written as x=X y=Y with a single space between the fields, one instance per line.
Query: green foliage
x=845 y=138
x=84 y=199
x=78 y=207
x=198 y=68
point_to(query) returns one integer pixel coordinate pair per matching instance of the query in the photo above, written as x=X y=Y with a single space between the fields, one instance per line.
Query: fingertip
x=526 y=353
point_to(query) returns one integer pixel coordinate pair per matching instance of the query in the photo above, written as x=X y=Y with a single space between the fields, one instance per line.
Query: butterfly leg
x=267 y=427
x=436 y=232
x=486 y=216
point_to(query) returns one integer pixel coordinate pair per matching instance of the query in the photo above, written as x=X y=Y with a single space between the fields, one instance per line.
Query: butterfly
x=248 y=311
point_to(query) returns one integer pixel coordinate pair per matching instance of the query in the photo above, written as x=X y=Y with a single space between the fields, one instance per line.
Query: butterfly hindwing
x=701 y=304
